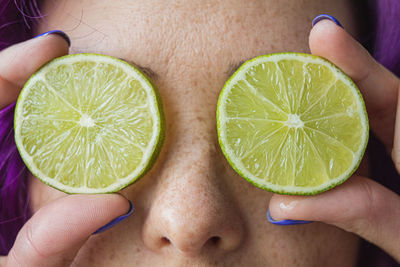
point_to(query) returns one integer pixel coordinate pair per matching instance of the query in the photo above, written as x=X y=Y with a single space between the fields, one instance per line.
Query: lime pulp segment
x=292 y=123
x=88 y=123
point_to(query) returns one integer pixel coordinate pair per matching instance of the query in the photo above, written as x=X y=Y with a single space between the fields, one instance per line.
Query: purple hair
x=387 y=40
x=16 y=20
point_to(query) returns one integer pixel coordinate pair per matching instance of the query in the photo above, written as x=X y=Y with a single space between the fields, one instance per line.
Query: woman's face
x=192 y=209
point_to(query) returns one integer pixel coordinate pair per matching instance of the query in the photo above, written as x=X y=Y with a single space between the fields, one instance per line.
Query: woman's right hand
x=56 y=232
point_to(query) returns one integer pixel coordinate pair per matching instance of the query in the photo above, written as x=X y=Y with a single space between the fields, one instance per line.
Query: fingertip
x=332 y=42
x=116 y=220
x=325 y=33
x=59 y=33
x=55 y=43
x=281 y=206
x=324 y=17
x=286 y=221
x=21 y=60
x=117 y=202
x=273 y=207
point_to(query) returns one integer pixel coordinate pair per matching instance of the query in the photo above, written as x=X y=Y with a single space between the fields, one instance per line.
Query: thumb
x=54 y=235
x=359 y=205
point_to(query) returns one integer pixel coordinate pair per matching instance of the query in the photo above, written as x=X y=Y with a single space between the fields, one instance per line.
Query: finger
x=378 y=85
x=54 y=235
x=396 y=141
x=360 y=205
x=20 y=61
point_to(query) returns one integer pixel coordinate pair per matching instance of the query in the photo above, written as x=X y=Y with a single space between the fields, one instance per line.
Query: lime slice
x=88 y=123
x=292 y=123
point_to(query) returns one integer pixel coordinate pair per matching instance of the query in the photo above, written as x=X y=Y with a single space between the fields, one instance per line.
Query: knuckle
x=369 y=200
x=367 y=209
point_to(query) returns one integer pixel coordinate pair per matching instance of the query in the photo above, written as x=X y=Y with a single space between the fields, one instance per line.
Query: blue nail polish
x=59 y=33
x=285 y=222
x=116 y=220
x=325 y=16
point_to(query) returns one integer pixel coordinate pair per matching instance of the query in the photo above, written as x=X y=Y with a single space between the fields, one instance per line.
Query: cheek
x=41 y=194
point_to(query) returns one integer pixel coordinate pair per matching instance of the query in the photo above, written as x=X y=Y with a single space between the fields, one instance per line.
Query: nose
x=192 y=212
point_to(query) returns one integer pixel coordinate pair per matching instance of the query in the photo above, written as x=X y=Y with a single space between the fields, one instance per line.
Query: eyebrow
x=146 y=70
x=232 y=68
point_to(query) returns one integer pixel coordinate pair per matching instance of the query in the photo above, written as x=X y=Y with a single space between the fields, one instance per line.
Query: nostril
x=191 y=222
x=215 y=240
x=165 y=241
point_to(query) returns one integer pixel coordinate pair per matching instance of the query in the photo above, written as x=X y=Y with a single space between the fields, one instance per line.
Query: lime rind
x=289 y=190
x=154 y=146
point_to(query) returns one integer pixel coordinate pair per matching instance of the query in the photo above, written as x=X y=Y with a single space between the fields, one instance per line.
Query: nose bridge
x=189 y=188
x=192 y=148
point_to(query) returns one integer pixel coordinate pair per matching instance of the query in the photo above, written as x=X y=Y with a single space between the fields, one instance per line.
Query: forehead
x=184 y=36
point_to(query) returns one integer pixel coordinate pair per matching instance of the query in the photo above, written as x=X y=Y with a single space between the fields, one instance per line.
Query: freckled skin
x=192 y=208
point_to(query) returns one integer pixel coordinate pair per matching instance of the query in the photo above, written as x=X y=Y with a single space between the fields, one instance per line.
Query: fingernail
x=59 y=33
x=325 y=16
x=116 y=220
x=285 y=222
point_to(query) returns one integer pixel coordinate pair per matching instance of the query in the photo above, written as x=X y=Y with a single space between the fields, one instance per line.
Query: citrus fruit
x=292 y=123
x=88 y=123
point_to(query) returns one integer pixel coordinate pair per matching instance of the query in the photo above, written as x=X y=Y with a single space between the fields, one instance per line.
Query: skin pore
x=192 y=208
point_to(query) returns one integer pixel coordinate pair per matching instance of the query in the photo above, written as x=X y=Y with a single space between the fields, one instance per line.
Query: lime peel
x=89 y=123
x=268 y=92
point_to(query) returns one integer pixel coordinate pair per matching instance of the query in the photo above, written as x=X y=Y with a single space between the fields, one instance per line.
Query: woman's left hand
x=360 y=205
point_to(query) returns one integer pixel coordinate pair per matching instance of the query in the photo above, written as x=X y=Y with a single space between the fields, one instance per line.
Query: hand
x=55 y=233
x=359 y=205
